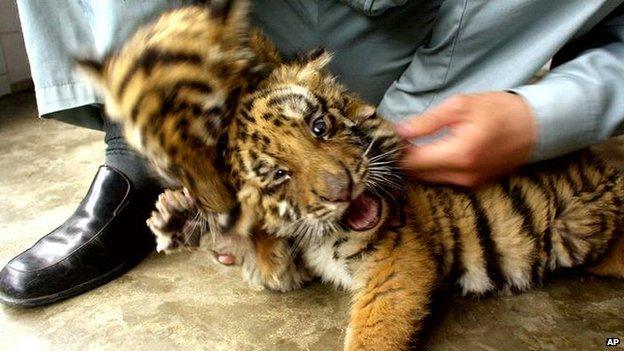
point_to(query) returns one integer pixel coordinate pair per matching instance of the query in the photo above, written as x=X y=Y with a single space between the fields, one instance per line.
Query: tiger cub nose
x=338 y=187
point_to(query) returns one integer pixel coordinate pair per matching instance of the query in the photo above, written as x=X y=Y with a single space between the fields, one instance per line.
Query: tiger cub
x=311 y=172
x=314 y=164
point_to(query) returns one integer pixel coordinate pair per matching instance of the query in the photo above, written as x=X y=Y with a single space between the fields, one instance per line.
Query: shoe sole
x=71 y=292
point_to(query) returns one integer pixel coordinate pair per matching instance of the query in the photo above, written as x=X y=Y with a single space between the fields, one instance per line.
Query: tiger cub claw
x=172 y=222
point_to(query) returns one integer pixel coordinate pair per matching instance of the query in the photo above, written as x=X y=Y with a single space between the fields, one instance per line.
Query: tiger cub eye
x=279 y=174
x=320 y=127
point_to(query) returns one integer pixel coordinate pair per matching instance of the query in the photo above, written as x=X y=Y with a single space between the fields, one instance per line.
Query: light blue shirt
x=473 y=46
x=404 y=56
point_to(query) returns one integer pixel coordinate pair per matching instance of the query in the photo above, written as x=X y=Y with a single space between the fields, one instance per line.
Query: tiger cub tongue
x=363 y=213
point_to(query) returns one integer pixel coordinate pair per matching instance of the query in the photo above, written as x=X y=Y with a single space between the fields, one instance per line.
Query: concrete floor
x=186 y=301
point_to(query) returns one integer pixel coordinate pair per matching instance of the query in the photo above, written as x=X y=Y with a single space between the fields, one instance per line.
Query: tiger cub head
x=309 y=158
x=174 y=84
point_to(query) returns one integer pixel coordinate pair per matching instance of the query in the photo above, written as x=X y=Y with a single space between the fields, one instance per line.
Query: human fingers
x=447 y=113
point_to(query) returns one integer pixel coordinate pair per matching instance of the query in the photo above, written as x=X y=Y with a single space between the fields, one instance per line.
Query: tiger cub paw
x=176 y=222
x=178 y=225
x=287 y=279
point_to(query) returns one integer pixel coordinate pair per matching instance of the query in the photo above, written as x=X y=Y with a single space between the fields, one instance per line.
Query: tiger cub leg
x=265 y=260
x=612 y=264
x=389 y=309
x=587 y=232
x=274 y=264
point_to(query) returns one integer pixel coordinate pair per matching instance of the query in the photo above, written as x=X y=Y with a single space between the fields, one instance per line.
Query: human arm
x=577 y=104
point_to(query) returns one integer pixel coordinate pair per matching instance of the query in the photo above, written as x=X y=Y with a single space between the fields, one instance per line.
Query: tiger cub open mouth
x=364 y=212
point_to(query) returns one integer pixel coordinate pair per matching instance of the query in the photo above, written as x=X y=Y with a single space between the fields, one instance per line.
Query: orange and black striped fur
x=302 y=151
x=310 y=171
x=174 y=85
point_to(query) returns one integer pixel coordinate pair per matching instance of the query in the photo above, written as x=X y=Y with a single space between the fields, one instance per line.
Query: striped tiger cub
x=312 y=172
x=317 y=166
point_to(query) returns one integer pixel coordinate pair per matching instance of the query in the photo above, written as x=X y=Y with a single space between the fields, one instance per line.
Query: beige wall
x=14 y=69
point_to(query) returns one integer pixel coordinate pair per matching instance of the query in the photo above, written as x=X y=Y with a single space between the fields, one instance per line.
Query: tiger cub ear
x=364 y=112
x=93 y=71
x=232 y=12
x=317 y=59
x=357 y=110
x=219 y=9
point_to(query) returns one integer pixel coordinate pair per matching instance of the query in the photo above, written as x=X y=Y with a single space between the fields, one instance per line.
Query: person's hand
x=487 y=135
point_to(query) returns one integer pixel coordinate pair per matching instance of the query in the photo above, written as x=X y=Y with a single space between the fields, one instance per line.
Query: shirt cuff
x=565 y=114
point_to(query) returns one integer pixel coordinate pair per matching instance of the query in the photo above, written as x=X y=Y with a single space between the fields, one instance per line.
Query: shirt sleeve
x=581 y=102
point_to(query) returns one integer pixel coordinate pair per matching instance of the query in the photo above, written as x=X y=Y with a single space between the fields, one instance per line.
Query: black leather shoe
x=103 y=239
